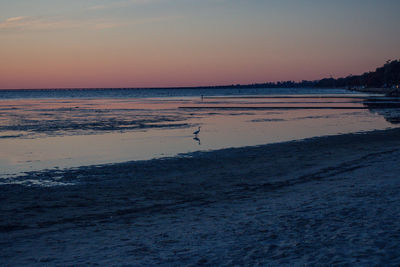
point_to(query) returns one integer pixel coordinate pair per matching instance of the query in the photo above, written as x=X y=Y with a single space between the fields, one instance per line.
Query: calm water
x=77 y=128
x=145 y=93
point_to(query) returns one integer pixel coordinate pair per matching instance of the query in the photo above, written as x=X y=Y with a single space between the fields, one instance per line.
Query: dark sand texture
x=322 y=201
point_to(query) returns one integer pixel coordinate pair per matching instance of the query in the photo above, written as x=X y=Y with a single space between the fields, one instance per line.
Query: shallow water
x=156 y=92
x=37 y=134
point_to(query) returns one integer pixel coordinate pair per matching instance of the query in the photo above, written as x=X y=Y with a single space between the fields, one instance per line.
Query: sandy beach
x=199 y=133
x=321 y=201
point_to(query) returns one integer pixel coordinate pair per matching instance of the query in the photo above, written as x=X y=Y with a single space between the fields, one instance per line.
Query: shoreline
x=54 y=174
x=329 y=200
x=72 y=133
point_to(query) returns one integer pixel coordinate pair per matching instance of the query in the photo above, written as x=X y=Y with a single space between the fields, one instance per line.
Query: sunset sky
x=157 y=43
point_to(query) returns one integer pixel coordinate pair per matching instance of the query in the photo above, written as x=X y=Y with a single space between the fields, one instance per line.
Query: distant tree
x=386 y=76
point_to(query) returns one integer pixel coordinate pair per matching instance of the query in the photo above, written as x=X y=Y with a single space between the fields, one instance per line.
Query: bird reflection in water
x=196 y=138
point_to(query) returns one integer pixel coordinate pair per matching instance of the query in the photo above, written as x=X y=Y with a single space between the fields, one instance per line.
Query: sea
x=44 y=129
x=156 y=92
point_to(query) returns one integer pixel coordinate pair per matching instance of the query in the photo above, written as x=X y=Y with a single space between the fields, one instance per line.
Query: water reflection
x=197 y=139
x=38 y=134
x=387 y=107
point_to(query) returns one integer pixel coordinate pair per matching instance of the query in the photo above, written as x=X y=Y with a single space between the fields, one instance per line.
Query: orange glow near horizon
x=91 y=67
x=195 y=44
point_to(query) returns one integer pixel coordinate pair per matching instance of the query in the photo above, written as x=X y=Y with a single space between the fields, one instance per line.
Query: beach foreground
x=321 y=201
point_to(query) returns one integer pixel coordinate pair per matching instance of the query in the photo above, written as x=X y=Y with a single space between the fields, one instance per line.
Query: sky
x=163 y=43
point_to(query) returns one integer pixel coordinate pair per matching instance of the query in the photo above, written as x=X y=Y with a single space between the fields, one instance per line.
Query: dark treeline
x=387 y=76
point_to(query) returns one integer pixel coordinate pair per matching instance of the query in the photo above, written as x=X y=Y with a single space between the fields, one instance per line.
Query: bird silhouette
x=197 y=132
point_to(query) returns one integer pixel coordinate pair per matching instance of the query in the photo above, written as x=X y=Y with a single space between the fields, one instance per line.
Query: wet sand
x=321 y=201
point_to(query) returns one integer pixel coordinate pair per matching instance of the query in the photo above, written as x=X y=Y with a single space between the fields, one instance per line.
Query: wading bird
x=197 y=132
